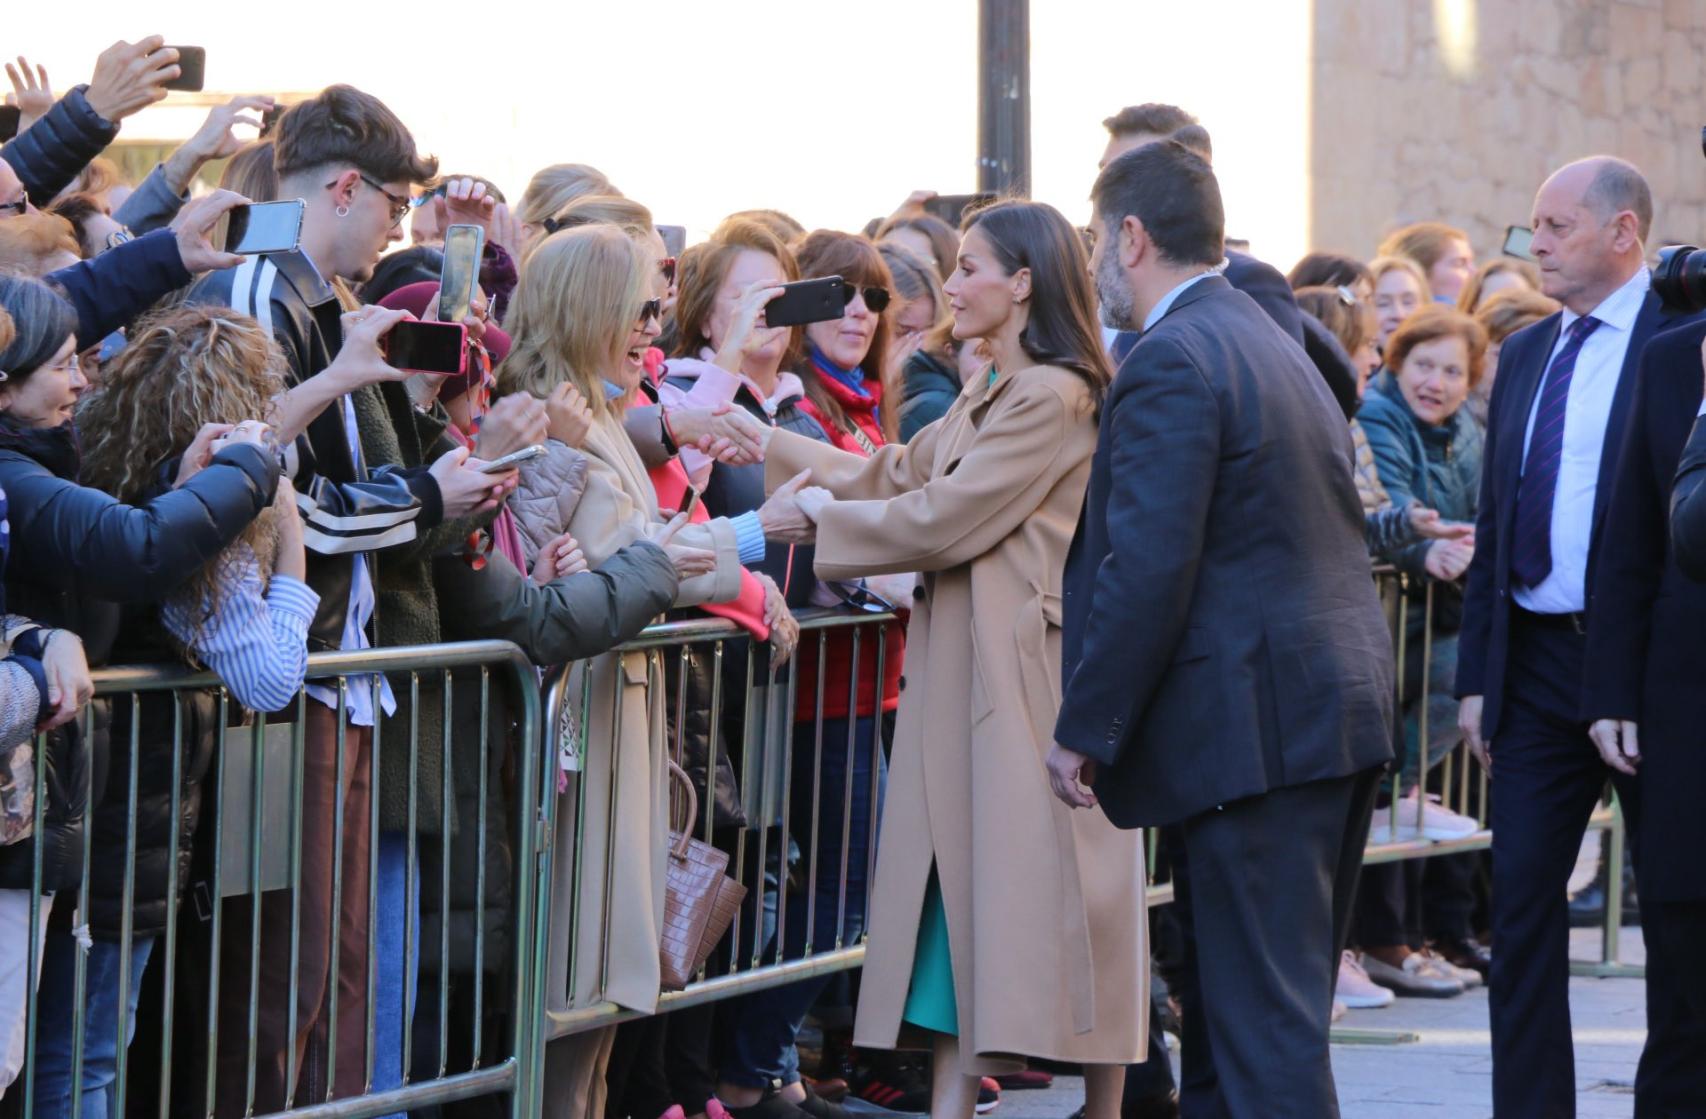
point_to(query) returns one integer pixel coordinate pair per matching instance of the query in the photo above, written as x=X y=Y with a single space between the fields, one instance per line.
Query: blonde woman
x=550 y=191
x=584 y=315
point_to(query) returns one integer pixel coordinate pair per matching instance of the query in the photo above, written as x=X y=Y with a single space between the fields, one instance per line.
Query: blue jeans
x=764 y=1025
x=394 y=975
x=54 y=1040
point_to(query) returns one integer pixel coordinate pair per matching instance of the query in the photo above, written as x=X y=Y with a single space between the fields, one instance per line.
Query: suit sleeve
x=1480 y=589
x=1688 y=506
x=1017 y=459
x=1626 y=578
x=1164 y=460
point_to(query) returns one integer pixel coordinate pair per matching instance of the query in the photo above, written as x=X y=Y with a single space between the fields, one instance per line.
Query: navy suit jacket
x=1688 y=506
x=1484 y=642
x=1221 y=635
x=1647 y=630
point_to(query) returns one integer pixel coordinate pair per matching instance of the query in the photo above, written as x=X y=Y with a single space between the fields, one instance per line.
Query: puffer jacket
x=112 y=289
x=78 y=554
x=56 y=148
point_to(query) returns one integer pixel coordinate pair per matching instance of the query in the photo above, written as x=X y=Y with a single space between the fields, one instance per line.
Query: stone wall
x=1396 y=136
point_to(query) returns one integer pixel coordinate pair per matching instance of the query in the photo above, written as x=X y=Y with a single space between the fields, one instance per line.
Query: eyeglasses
x=651 y=309
x=876 y=299
x=400 y=204
x=17 y=207
x=667 y=267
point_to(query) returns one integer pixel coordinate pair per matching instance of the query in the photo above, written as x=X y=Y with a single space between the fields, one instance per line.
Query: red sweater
x=838 y=655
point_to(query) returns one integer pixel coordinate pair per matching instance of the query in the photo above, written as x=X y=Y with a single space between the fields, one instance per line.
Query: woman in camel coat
x=984 y=503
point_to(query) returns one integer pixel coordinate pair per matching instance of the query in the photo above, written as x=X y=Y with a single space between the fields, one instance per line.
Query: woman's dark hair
x=78 y=209
x=343 y=125
x=1062 y=329
x=42 y=320
x=1173 y=192
x=944 y=239
x=1340 y=313
x=1329 y=270
x=829 y=252
x=400 y=269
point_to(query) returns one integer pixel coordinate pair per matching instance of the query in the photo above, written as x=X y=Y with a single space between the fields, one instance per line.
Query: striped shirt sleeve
x=257 y=642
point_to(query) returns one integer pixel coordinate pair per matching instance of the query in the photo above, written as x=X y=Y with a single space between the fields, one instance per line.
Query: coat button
x=903 y=683
x=918 y=594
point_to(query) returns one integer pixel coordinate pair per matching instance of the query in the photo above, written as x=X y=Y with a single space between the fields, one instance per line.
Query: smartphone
x=428 y=347
x=807 y=301
x=1519 y=241
x=689 y=502
x=10 y=117
x=192 y=69
x=266 y=227
x=513 y=459
x=674 y=239
x=269 y=120
x=463 y=245
x=952 y=208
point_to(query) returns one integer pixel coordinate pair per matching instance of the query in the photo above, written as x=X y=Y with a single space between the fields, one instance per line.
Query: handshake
x=729 y=435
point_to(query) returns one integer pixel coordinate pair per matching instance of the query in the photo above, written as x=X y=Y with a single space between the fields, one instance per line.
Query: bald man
x=1554 y=432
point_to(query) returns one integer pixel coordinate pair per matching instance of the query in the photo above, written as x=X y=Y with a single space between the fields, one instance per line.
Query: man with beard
x=1227 y=666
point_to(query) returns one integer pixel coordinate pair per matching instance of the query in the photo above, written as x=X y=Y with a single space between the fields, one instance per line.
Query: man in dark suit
x=1137 y=125
x=1554 y=431
x=1644 y=697
x=1228 y=668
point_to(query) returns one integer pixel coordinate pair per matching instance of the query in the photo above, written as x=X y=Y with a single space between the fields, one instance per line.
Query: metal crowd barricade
x=249 y=842
x=774 y=855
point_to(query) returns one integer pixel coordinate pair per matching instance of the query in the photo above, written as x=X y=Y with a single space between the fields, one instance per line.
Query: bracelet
x=670 y=443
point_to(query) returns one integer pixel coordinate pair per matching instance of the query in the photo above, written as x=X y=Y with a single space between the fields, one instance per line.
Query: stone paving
x=1447 y=1073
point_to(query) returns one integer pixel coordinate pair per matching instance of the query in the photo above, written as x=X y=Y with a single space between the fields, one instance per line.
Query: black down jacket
x=77 y=553
x=56 y=148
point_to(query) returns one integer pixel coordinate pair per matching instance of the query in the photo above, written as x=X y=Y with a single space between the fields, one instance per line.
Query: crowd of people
x=1123 y=487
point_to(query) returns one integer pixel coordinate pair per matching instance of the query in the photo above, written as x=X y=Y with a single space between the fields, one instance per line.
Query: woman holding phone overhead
x=984 y=503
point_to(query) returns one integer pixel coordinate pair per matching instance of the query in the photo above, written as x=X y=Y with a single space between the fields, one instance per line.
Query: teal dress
x=930 y=1002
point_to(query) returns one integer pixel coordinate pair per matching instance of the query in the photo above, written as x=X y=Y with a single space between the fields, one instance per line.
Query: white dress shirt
x=1599 y=367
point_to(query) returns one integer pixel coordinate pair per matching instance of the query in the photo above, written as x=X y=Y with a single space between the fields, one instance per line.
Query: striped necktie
x=1531 y=557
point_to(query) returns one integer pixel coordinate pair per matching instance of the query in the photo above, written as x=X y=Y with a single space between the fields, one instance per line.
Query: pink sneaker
x=1356 y=989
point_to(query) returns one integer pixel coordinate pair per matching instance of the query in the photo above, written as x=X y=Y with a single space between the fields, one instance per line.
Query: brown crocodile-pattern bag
x=700 y=899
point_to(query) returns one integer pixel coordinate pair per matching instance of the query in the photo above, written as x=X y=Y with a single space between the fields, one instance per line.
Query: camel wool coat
x=615 y=954
x=1045 y=906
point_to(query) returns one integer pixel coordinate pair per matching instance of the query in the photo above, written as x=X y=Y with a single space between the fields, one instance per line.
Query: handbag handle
x=679 y=775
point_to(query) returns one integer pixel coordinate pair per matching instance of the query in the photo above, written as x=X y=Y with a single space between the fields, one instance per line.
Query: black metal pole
x=1004 y=96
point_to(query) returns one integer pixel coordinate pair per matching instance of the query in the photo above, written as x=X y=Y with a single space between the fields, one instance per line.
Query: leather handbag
x=700 y=899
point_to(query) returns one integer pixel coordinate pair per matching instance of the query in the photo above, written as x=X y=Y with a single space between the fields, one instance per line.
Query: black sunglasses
x=876 y=299
x=651 y=309
x=17 y=207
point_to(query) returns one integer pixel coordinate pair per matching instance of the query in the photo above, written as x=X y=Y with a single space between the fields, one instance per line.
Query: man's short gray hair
x=1618 y=185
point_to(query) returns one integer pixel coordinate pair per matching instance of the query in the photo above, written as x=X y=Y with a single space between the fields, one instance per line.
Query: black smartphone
x=674 y=239
x=10 y=117
x=952 y=208
x=807 y=301
x=428 y=347
x=462 y=247
x=269 y=120
x=192 y=69
x=1519 y=242
x=689 y=502
x=265 y=227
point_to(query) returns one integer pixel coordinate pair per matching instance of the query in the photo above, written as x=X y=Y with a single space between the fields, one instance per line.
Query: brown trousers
x=321 y=781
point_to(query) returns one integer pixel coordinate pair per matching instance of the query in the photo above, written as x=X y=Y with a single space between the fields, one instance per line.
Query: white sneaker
x=1356 y=989
x=1438 y=821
